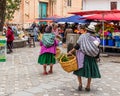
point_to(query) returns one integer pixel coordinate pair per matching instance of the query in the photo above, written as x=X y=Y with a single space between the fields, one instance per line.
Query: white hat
x=91 y=28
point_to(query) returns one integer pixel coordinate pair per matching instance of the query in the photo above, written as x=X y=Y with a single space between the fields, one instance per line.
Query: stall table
x=110 y=48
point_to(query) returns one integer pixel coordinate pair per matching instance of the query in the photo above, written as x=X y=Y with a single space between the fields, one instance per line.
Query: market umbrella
x=54 y=17
x=103 y=12
x=89 y=12
x=74 y=18
x=61 y=20
x=49 y=19
x=107 y=16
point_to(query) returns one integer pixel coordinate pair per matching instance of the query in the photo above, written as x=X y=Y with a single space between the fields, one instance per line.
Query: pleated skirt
x=90 y=68
x=46 y=58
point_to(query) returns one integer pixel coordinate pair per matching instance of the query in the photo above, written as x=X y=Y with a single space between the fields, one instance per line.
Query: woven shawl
x=87 y=46
x=48 y=39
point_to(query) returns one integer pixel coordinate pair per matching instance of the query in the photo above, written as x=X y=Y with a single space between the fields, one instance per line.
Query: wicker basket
x=70 y=65
x=58 y=51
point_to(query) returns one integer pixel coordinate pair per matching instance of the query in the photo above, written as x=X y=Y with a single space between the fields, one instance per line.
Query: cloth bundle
x=48 y=39
x=87 y=45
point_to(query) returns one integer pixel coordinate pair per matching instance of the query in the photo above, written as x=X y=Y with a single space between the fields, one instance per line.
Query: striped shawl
x=87 y=46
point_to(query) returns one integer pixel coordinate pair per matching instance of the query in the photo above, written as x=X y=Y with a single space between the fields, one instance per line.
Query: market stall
x=104 y=33
x=111 y=35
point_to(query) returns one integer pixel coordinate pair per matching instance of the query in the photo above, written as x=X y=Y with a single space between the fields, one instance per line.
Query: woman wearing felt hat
x=86 y=53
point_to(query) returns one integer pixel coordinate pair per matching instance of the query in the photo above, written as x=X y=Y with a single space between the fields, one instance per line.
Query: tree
x=2 y=13
x=7 y=10
x=12 y=6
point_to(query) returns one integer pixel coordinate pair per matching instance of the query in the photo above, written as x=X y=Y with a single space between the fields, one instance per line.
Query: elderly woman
x=87 y=51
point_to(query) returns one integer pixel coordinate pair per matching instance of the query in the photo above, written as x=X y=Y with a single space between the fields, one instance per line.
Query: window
x=69 y=2
x=113 y=5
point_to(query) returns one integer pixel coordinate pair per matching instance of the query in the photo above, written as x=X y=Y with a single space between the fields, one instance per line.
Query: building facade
x=31 y=9
x=101 y=4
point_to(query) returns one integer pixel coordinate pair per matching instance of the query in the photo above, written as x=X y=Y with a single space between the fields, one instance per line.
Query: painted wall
x=29 y=10
x=62 y=9
x=98 y=4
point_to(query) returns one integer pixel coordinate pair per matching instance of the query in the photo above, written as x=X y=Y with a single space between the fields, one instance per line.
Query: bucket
x=111 y=42
x=117 y=43
x=103 y=42
x=116 y=38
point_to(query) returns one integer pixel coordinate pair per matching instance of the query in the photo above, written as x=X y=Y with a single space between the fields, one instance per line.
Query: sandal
x=50 y=72
x=80 y=88
x=45 y=73
x=87 y=89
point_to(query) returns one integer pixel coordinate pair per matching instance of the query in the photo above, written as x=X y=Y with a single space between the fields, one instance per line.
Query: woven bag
x=70 y=65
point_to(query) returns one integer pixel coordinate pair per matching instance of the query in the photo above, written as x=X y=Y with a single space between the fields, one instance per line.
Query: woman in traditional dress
x=48 y=50
x=87 y=52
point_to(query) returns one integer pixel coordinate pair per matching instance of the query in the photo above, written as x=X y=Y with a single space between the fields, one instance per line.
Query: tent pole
x=103 y=32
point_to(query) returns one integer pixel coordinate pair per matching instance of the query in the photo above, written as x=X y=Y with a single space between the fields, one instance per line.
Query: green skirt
x=90 y=68
x=46 y=58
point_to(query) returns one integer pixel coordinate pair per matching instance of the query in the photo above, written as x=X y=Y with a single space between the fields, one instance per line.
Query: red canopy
x=94 y=12
x=107 y=16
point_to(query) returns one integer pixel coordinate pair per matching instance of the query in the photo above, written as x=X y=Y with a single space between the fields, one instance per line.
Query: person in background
x=10 y=38
x=35 y=32
x=87 y=63
x=67 y=31
x=33 y=25
x=48 y=50
x=14 y=29
x=55 y=30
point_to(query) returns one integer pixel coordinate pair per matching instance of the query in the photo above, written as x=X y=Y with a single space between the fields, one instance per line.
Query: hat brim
x=91 y=30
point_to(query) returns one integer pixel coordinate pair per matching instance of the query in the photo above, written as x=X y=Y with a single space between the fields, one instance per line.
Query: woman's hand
x=69 y=53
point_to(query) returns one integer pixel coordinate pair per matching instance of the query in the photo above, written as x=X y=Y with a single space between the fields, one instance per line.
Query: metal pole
x=103 y=32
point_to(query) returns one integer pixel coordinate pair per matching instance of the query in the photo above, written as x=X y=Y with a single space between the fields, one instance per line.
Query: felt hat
x=91 y=28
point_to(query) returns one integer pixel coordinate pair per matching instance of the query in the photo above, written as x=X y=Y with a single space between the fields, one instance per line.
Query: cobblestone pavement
x=20 y=75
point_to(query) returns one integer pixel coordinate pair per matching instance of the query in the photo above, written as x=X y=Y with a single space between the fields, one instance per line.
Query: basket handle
x=71 y=55
x=65 y=55
x=62 y=57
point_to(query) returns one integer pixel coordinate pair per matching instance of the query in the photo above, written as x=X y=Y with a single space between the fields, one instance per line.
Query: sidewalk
x=22 y=76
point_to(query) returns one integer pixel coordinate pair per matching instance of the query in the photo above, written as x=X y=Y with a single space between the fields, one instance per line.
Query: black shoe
x=80 y=88
x=87 y=89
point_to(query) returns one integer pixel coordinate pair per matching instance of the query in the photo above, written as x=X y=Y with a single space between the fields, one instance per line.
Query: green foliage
x=65 y=58
x=12 y=6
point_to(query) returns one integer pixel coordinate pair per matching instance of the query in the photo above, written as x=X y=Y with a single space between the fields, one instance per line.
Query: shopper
x=87 y=52
x=10 y=38
x=48 y=50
